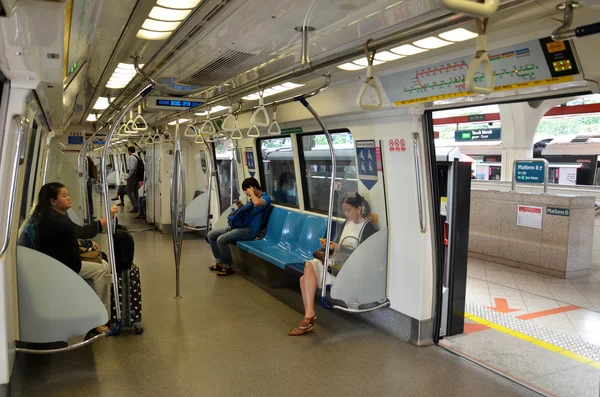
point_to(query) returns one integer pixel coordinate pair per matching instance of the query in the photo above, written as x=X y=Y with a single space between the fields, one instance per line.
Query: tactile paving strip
x=535 y=331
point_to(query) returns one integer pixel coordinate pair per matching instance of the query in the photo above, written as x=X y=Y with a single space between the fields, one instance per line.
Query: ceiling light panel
x=365 y=62
x=272 y=91
x=160 y=26
x=179 y=4
x=459 y=34
x=407 y=50
x=431 y=43
x=101 y=103
x=91 y=117
x=166 y=14
x=214 y=109
x=181 y=121
x=123 y=74
x=152 y=35
x=350 y=66
x=386 y=56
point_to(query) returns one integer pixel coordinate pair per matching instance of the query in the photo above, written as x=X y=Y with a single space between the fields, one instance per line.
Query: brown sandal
x=306 y=325
x=216 y=268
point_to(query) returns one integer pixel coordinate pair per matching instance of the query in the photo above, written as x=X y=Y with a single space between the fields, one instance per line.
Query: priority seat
x=55 y=303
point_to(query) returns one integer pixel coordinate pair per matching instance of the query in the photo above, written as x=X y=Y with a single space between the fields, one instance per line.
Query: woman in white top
x=355 y=230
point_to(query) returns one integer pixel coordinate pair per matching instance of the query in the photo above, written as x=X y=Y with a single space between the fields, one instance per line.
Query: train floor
x=540 y=330
x=227 y=336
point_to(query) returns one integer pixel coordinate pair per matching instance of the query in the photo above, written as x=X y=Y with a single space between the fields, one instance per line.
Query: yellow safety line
x=535 y=341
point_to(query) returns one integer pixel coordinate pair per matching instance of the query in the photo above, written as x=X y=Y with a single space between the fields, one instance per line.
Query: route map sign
x=519 y=66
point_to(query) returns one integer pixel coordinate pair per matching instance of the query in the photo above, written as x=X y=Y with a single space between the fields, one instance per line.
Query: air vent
x=218 y=70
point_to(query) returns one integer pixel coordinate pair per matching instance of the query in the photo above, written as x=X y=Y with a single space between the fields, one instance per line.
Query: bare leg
x=303 y=293
x=310 y=288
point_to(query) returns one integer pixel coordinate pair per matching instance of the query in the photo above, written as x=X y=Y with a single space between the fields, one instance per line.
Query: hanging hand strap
x=139 y=120
x=190 y=130
x=253 y=131
x=260 y=110
x=370 y=82
x=274 y=128
x=230 y=123
x=480 y=59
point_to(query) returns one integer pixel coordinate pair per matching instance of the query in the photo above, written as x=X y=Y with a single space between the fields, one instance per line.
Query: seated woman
x=57 y=236
x=355 y=230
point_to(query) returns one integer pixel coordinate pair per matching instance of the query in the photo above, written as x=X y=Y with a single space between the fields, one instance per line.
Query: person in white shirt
x=133 y=180
x=354 y=231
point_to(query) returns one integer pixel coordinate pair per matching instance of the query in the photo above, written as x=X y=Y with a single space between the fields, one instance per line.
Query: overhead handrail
x=260 y=110
x=483 y=9
x=253 y=131
x=236 y=135
x=140 y=119
x=157 y=137
x=564 y=32
x=480 y=59
x=369 y=83
x=199 y=139
x=131 y=124
x=274 y=127
x=17 y=161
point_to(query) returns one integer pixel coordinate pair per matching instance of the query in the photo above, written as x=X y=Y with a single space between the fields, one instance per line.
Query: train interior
x=425 y=108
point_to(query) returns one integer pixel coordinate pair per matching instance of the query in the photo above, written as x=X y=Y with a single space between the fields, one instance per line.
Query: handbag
x=91 y=256
x=341 y=255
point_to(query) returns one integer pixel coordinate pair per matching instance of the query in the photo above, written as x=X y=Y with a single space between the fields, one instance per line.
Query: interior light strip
x=272 y=91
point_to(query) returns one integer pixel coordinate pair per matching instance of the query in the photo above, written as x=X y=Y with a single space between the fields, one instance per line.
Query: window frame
x=261 y=169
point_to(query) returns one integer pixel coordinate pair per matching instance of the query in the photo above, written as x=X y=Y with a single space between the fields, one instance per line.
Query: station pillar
x=519 y=123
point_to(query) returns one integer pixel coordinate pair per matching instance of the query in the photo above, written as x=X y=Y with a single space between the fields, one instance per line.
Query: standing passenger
x=244 y=227
x=133 y=181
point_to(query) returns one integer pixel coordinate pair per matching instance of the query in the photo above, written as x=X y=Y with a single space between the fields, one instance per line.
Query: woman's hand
x=95 y=246
x=113 y=210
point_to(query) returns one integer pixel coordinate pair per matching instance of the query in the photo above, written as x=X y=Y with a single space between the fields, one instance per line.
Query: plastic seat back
x=55 y=304
x=314 y=228
x=277 y=218
x=290 y=232
x=27 y=238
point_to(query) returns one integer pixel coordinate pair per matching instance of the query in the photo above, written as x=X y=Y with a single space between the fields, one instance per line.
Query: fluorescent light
x=180 y=121
x=350 y=66
x=151 y=35
x=127 y=66
x=272 y=91
x=179 y=4
x=214 y=109
x=116 y=85
x=165 y=14
x=431 y=43
x=459 y=34
x=160 y=26
x=91 y=117
x=365 y=62
x=387 y=56
x=101 y=103
x=123 y=74
x=407 y=50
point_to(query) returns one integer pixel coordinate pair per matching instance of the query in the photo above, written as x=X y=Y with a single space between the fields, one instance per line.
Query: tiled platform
x=549 y=300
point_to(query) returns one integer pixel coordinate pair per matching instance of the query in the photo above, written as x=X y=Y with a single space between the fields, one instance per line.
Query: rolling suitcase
x=130 y=295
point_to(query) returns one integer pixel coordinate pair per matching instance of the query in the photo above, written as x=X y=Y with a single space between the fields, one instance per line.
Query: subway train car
x=328 y=105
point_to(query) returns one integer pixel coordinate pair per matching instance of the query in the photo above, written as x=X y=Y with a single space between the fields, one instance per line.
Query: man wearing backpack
x=244 y=225
x=136 y=167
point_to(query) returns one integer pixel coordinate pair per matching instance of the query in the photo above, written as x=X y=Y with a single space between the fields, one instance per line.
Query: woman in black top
x=56 y=235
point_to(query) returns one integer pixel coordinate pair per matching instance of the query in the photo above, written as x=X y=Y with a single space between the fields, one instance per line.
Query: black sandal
x=216 y=268
x=226 y=271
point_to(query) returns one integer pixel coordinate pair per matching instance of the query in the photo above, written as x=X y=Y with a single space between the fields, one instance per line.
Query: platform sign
x=530 y=172
x=366 y=161
x=486 y=134
x=558 y=211
x=75 y=140
x=249 y=157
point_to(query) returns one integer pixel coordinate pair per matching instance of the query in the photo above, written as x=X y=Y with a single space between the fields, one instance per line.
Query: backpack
x=139 y=169
x=243 y=217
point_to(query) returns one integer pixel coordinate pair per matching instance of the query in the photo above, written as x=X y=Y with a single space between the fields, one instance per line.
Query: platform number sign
x=249 y=157
x=366 y=161
x=530 y=172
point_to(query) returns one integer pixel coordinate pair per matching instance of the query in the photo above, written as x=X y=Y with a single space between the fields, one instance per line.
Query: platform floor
x=227 y=337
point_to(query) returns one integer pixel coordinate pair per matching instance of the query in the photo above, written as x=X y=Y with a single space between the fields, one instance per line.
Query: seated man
x=121 y=192
x=141 y=208
x=244 y=225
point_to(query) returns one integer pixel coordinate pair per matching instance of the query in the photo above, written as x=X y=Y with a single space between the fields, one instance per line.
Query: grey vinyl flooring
x=227 y=336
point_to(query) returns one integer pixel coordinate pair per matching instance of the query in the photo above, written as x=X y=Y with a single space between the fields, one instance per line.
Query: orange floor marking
x=471 y=328
x=502 y=306
x=548 y=312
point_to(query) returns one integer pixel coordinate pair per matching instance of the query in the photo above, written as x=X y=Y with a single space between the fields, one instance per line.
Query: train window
x=30 y=176
x=315 y=160
x=277 y=173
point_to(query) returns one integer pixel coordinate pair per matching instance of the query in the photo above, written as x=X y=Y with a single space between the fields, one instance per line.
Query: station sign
x=487 y=134
x=558 y=211
x=530 y=172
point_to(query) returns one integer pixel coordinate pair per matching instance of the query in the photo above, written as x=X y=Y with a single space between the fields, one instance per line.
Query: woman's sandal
x=216 y=268
x=226 y=271
x=306 y=325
